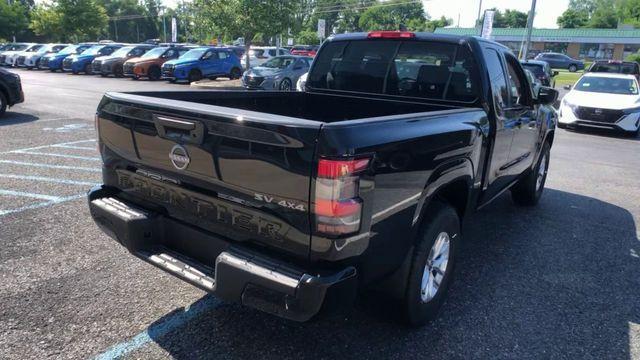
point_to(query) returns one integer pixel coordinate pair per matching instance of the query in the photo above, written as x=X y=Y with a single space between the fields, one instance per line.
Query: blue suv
x=82 y=62
x=203 y=62
x=53 y=62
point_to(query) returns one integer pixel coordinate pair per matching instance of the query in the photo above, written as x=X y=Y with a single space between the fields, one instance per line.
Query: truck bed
x=327 y=108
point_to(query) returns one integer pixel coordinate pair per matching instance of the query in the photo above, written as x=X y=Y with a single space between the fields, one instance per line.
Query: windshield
x=615 y=68
x=122 y=52
x=154 y=53
x=420 y=69
x=93 y=50
x=69 y=50
x=34 y=48
x=607 y=85
x=17 y=47
x=193 y=54
x=45 y=49
x=278 y=63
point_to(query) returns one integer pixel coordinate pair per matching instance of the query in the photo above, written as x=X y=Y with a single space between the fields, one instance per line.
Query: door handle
x=179 y=130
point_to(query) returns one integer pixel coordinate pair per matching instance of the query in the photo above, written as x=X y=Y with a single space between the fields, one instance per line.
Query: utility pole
x=532 y=14
x=479 y=12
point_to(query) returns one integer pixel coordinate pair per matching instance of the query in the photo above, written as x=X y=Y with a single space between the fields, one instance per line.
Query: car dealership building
x=590 y=44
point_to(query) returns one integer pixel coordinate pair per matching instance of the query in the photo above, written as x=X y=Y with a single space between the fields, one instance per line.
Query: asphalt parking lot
x=557 y=281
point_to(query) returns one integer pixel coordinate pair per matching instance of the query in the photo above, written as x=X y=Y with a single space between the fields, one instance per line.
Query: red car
x=305 y=50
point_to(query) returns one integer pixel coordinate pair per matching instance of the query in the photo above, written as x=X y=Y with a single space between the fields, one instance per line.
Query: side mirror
x=555 y=73
x=567 y=87
x=547 y=95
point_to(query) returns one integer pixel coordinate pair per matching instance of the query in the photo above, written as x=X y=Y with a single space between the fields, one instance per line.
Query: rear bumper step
x=216 y=265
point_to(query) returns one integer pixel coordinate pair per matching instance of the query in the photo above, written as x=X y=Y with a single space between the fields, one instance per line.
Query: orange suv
x=149 y=64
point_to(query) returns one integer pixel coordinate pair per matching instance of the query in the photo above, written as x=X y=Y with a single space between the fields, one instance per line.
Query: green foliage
x=509 y=19
x=391 y=14
x=572 y=18
x=633 y=57
x=13 y=19
x=46 y=21
x=598 y=13
x=246 y=18
x=82 y=20
x=307 y=37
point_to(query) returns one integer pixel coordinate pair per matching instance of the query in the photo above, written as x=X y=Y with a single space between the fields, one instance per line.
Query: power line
x=368 y=7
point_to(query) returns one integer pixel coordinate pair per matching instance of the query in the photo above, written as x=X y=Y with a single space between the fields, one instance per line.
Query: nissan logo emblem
x=179 y=157
x=597 y=111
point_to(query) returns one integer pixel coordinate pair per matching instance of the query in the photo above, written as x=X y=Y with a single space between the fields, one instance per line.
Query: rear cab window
x=408 y=68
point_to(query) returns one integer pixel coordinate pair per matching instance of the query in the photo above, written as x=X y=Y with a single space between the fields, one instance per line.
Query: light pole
x=532 y=14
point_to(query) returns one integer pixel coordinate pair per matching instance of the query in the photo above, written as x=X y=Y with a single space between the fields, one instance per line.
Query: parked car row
x=172 y=62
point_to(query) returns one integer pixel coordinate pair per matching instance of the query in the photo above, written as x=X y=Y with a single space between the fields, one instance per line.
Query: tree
x=308 y=37
x=82 y=20
x=509 y=19
x=391 y=14
x=13 y=19
x=248 y=17
x=571 y=19
x=46 y=21
x=592 y=14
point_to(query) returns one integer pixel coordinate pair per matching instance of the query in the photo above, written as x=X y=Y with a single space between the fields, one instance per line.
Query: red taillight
x=391 y=35
x=337 y=204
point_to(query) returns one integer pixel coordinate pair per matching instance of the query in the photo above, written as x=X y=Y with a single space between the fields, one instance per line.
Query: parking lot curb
x=217 y=85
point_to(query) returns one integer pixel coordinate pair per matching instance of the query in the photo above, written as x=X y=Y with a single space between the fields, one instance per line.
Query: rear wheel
x=194 y=75
x=117 y=71
x=154 y=73
x=235 y=73
x=3 y=104
x=87 y=69
x=432 y=265
x=528 y=190
x=573 y=68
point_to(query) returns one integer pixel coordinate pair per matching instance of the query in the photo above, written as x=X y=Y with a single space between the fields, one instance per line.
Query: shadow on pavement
x=606 y=133
x=14 y=118
x=558 y=280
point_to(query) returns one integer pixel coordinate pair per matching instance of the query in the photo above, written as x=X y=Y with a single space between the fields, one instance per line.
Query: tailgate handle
x=181 y=130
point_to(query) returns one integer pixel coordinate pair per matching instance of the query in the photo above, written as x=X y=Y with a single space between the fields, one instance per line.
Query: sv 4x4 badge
x=284 y=203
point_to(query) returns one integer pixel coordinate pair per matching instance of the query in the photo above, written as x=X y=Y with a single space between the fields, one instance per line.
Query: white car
x=603 y=101
x=11 y=51
x=258 y=55
x=31 y=59
x=302 y=82
x=10 y=57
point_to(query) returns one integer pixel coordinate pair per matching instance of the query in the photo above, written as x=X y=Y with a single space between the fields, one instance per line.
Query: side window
x=497 y=79
x=283 y=52
x=171 y=53
x=209 y=55
x=272 y=52
x=222 y=55
x=517 y=82
x=182 y=52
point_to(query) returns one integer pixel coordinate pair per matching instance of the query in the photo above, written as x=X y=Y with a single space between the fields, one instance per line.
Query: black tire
x=3 y=104
x=528 y=190
x=213 y=78
x=441 y=220
x=194 y=75
x=285 y=85
x=154 y=73
x=561 y=125
x=235 y=74
x=118 y=72
x=103 y=75
x=87 y=70
x=135 y=78
x=573 y=68
x=38 y=64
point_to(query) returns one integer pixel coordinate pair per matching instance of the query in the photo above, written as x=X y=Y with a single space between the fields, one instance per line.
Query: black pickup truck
x=295 y=203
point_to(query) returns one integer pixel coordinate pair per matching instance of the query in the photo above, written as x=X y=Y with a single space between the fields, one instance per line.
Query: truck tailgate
x=242 y=174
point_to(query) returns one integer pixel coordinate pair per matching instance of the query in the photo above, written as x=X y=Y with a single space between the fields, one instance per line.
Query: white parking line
x=58 y=155
x=46 y=179
x=29 y=195
x=42 y=204
x=47 y=146
x=49 y=166
x=74 y=147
